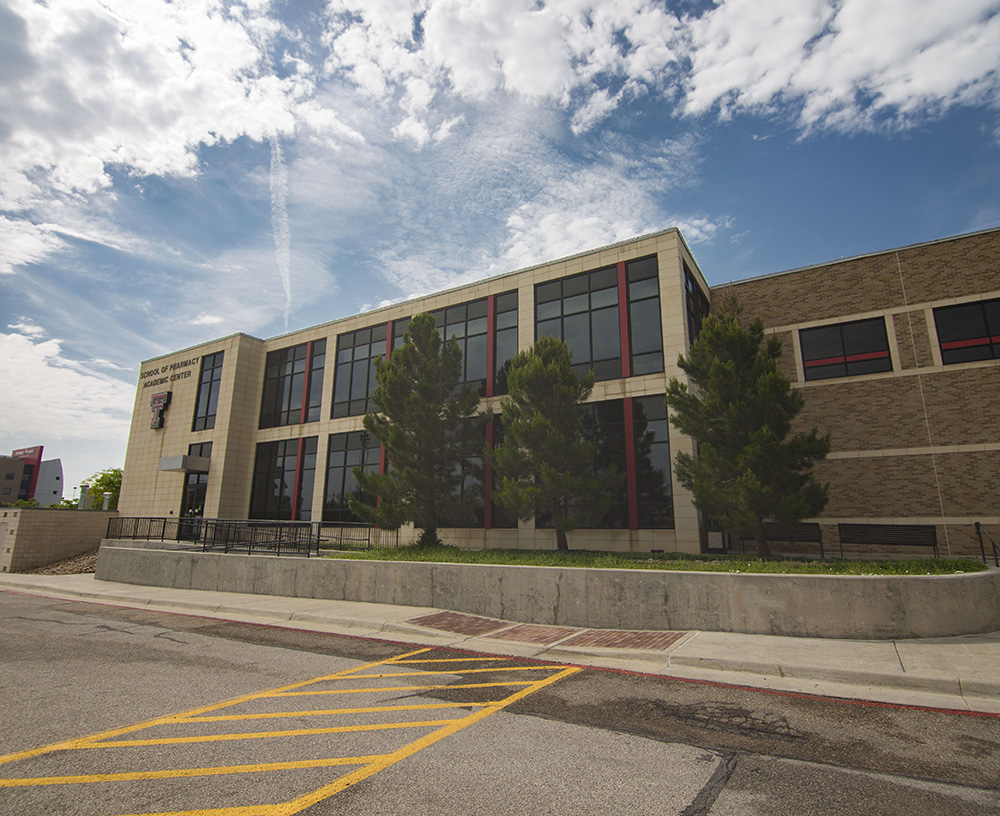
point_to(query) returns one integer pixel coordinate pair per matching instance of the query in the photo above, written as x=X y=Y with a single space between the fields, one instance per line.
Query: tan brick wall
x=884 y=413
x=956 y=267
x=913 y=339
x=907 y=487
x=34 y=538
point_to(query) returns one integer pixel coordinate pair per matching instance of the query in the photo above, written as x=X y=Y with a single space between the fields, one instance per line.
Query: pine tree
x=421 y=407
x=545 y=464
x=750 y=471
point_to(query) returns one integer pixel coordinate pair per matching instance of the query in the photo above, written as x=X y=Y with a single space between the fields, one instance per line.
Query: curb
x=754 y=673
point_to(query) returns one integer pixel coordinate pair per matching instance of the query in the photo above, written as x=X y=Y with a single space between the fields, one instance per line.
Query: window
x=583 y=311
x=293 y=385
x=7 y=491
x=969 y=332
x=8 y=476
x=208 y=392
x=505 y=338
x=470 y=493
x=645 y=330
x=468 y=324
x=354 y=381
x=697 y=304
x=605 y=423
x=845 y=349
x=283 y=481
x=346 y=452
x=196 y=484
x=651 y=436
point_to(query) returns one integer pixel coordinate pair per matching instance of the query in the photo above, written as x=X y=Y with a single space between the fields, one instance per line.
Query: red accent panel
x=976 y=341
x=824 y=361
x=631 y=479
x=298 y=480
x=870 y=355
x=491 y=357
x=850 y=358
x=488 y=476
x=623 y=320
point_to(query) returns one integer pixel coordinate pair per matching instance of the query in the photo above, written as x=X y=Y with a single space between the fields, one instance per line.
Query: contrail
x=279 y=222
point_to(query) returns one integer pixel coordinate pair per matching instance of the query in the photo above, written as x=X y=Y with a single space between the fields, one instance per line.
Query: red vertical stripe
x=631 y=479
x=488 y=477
x=623 y=320
x=491 y=341
x=298 y=479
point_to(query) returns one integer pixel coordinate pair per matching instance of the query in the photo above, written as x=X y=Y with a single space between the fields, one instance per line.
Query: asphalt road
x=117 y=711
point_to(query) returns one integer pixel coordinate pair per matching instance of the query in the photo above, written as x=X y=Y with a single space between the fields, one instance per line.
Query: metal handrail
x=227 y=535
x=981 y=531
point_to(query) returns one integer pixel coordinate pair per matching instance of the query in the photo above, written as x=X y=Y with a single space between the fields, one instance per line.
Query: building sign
x=31 y=455
x=159 y=404
x=168 y=372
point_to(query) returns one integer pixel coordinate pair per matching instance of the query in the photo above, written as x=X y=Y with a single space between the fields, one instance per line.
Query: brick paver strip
x=614 y=639
x=460 y=624
x=533 y=633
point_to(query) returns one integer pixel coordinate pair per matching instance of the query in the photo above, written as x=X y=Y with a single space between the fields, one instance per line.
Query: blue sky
x=175 y=172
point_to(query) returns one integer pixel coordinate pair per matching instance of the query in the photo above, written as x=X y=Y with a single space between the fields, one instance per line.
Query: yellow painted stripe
x=76 y=743
x=310 y=799
x=458 y=660
x=492 y=670
x=273 y=715
x=253 y=810
x=178 y=773
x=298 y=732
x=400 y=688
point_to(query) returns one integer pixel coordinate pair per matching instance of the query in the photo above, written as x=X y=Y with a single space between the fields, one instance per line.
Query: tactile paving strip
x=534 y=633
x=460 y=624
x=614 y=639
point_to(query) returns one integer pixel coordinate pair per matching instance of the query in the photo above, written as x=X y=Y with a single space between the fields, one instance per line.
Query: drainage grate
x=460 y=624
x=614 y=639
x=534 y=633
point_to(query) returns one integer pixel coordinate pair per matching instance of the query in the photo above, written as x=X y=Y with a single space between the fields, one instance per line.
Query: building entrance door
x=193 y=498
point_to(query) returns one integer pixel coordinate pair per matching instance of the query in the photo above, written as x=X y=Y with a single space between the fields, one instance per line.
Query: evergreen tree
x=419 y=421
x=545 y=464
x=749 y=470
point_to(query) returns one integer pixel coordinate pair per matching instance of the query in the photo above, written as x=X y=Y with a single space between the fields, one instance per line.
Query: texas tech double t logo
x=159 y=403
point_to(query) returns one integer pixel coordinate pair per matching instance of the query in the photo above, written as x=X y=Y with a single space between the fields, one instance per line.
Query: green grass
x=667 y=561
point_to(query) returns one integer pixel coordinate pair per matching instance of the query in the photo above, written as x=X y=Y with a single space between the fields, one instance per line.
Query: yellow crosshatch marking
x=367 y=765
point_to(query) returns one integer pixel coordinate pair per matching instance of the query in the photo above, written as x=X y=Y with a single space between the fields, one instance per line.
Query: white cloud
x=25 y=243
x=78 y=412
x=849 y=65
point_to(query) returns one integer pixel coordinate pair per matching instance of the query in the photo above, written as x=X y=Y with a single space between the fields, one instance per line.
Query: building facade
x=880 y=346
x=23 y=475
x=897 y=354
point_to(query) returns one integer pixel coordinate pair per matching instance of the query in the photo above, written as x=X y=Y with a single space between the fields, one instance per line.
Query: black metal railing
x=355 y=536
x=222 y=535
x=980 y=532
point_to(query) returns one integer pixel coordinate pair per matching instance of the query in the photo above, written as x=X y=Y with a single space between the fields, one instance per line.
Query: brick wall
x=920 y=444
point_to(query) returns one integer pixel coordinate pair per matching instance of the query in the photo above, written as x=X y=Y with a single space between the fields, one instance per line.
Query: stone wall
x=33 y=538
x=837 y=606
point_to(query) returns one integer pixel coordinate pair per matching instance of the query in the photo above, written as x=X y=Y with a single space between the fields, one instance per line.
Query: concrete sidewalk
x=954 y=673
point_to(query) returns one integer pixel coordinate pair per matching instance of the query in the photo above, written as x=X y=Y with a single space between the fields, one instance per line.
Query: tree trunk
x=562 y=544
x=761 y=545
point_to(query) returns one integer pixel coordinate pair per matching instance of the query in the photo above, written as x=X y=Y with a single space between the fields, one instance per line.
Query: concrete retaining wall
x=858 y=607
x=34 y=537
